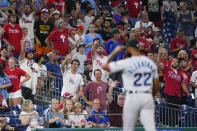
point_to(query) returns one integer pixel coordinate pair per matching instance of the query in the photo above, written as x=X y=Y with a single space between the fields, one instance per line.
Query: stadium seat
x=13 y=121
x=40 y=109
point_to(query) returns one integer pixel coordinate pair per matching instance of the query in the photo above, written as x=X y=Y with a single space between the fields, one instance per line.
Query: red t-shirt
x=13 y=35
x=57 y=3
x=134 y=8
x=144 y=44
x=14 y=77
x=175 y=43
x=172 y=82
x=60 y=41
x=193 y=53
x=186 y=79
x=97 y=91
x=115 y=2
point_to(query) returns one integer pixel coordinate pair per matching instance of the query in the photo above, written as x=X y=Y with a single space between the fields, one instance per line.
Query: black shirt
x=43 y=30
x=106 y=35
x=153 y=9
x=88 y=74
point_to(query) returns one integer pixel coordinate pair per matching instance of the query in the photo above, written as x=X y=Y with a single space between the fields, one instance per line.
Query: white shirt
x=194 y=80
x=139 y=23
x=168 y=6
x=71 y=83
x=33 y=70
x=78 y=118
x=138 y=72
x=28 y=22
x=43 y=70
x=81 y=59
x=88 y=19
x=4 y=103
x=98 y=62
x=72 y=42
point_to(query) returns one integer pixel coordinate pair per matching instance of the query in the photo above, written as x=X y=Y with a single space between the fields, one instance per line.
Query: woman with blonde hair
x=29 y=117
x=53 y=116
x=183 y=54
x=78 y=117
x=67 y=109
x=14 y=73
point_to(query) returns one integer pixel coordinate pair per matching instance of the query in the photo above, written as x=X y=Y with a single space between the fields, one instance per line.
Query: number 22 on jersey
x=142 y=79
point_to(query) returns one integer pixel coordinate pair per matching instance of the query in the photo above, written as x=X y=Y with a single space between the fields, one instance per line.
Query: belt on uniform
x=136 y=92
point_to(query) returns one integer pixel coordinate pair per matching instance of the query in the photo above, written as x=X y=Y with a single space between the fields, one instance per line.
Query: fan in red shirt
x=144 y=45
x=178 y=43
x=58 y=3
x=186 y=77
x=194 y=53
x=13 y=34
x=14 y=74
x=59 y=38
x=115 y=2
x=174 y=83
x=134 y=8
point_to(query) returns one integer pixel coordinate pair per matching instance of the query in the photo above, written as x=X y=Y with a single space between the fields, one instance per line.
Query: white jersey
x=71 y=83
x=138 y=72
x=98 y=62
x=28 y=22
x=33 y=70
x=194 y=80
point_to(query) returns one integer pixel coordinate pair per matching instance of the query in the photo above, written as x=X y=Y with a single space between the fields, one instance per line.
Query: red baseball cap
x=80 y=26
x=37 y=55
x=67 y=95
x=120 y=27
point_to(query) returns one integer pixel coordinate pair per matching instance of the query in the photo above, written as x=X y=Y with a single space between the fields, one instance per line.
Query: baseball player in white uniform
x=140 y=80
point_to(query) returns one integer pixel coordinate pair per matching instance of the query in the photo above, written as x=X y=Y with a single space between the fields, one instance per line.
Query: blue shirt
x=110 y=46
x=49 y=113
x=4 y=81
x=102 y=119
x=5 y=3
x=37 y=3
x=93 y=5
x=89 y=39
x=55 y=70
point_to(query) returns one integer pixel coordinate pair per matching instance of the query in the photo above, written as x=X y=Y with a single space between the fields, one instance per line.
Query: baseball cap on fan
x=44 y=10
x=67 y=95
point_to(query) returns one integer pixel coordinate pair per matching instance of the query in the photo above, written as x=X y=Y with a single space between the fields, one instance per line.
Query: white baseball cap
x=56 y=12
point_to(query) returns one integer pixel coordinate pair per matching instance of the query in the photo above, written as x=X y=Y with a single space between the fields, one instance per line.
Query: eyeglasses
x=121 y=98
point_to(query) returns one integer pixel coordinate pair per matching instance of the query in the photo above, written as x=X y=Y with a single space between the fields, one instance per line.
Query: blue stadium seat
x=13 y=121
x=40 y=109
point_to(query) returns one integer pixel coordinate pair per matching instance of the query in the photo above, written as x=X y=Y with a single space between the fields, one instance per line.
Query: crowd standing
x=70 y=40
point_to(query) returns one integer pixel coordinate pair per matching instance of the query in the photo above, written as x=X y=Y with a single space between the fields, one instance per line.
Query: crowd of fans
x=70 y=40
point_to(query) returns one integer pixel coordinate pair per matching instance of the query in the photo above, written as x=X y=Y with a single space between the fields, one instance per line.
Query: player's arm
x=155 y=86
x=114 y=53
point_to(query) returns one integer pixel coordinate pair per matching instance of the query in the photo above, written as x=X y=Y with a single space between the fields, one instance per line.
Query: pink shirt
x=97 y=91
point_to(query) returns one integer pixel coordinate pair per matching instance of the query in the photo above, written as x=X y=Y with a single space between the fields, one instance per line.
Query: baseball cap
x=156 y=29
x=44 y=10
x=82 y=11
x=67 y=95
x=115 y=31
x=81 y=44
x=80 y=26
x=60 y=57
x=88 y=61
x=109 y=17
x=37 y=55
x=29 y=50
x=56 y=12
x=120 y=27
x=133 y=43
